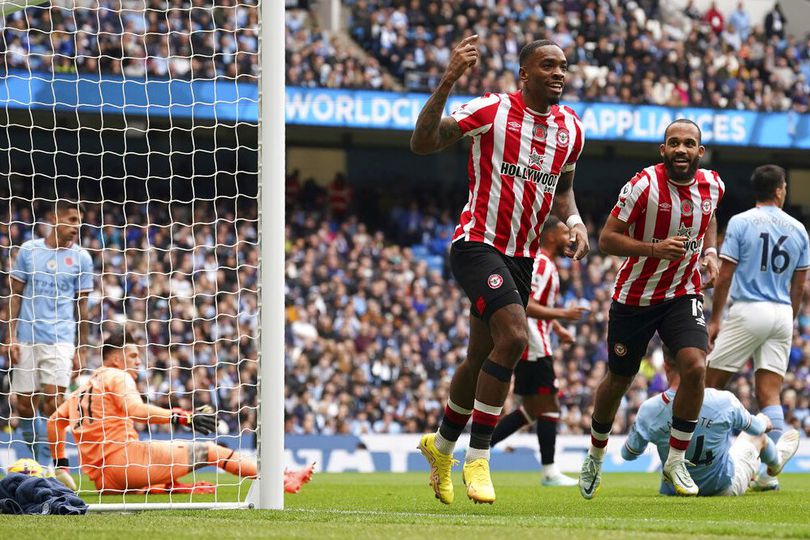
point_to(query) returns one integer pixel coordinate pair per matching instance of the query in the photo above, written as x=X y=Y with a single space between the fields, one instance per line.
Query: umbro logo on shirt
x=513 y=126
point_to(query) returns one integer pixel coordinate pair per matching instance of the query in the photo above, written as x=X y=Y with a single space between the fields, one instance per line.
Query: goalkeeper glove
x=61 y=473
x=202 y=419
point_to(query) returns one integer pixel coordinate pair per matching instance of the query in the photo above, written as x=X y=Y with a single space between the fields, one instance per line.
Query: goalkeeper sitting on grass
x=102 y=415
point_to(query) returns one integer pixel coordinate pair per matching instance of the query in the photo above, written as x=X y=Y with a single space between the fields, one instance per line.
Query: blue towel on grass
x=23 y=494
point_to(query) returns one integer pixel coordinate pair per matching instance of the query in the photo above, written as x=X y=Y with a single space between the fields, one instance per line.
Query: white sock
x=550 y=470
x=476 y=453
x=674 y=454
x=443 y=445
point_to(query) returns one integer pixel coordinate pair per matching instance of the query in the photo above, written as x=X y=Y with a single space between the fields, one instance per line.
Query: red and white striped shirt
x=545 y=288
x=516 y=159
x=657 y=208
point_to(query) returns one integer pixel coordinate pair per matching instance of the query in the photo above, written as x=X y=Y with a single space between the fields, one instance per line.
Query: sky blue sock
x=769 y=456
x=42 y=448
x=777 y=416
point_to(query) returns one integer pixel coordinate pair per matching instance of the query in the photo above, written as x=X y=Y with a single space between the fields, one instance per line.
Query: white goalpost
x=165 y=122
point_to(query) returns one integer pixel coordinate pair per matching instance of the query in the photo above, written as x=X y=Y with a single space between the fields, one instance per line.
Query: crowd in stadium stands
x=643 y=51
x=188 y=291
x=373 y=334
x=145 y=38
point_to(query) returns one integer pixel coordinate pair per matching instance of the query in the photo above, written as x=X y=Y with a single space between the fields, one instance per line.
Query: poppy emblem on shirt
x=494 y=281
x=69 y=261
x=540 y=132
x=51 y=264
x=562 y=137
x=706 y=206
x=686 y=207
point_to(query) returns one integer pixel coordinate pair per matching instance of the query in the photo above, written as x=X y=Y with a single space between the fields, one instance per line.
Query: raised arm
x=432 y=132
x=565 y=208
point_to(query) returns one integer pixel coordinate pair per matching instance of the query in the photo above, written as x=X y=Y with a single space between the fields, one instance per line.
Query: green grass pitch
x=402 y=506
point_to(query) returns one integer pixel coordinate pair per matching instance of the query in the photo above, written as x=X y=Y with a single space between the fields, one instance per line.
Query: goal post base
x=140 y=507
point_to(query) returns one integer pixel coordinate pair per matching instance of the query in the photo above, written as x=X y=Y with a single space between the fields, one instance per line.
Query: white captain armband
x=568 y=167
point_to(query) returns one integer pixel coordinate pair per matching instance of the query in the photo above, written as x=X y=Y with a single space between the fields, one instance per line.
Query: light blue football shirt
x=721 y=413
x=768 y=245
x=53 y=278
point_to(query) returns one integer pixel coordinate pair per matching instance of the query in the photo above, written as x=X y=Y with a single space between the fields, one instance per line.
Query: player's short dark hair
x=529 y=49
x=67 y=203
x=765 y=181
x=116 y=341
x=684 y=121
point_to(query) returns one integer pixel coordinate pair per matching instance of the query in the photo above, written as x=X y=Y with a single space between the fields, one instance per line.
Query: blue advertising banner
x=602 y=121
x=226 y=101
x=229 y=101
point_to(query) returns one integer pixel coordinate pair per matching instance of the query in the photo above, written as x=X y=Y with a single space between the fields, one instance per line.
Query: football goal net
x=142 y=249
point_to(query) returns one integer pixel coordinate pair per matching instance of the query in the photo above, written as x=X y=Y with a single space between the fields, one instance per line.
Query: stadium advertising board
x=602 y=121
x=398 y=453
x=229 y=101
x=226 y=101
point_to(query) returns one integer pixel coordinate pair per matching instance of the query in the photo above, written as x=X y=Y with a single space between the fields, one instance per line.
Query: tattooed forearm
x=431 y=132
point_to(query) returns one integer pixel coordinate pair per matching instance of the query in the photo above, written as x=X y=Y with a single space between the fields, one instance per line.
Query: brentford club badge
x=540 y=132
x=686 y=207
x=494 y=281
x=562 y=137
x=706 y=206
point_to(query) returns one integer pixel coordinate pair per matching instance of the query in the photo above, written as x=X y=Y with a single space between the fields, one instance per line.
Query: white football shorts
x=42 y=364
x=762 y=330
x=745 y=457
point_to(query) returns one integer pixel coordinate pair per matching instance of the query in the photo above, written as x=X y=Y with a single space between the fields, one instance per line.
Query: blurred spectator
x=714 y=18
x=740 y=20
x=775 y=23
